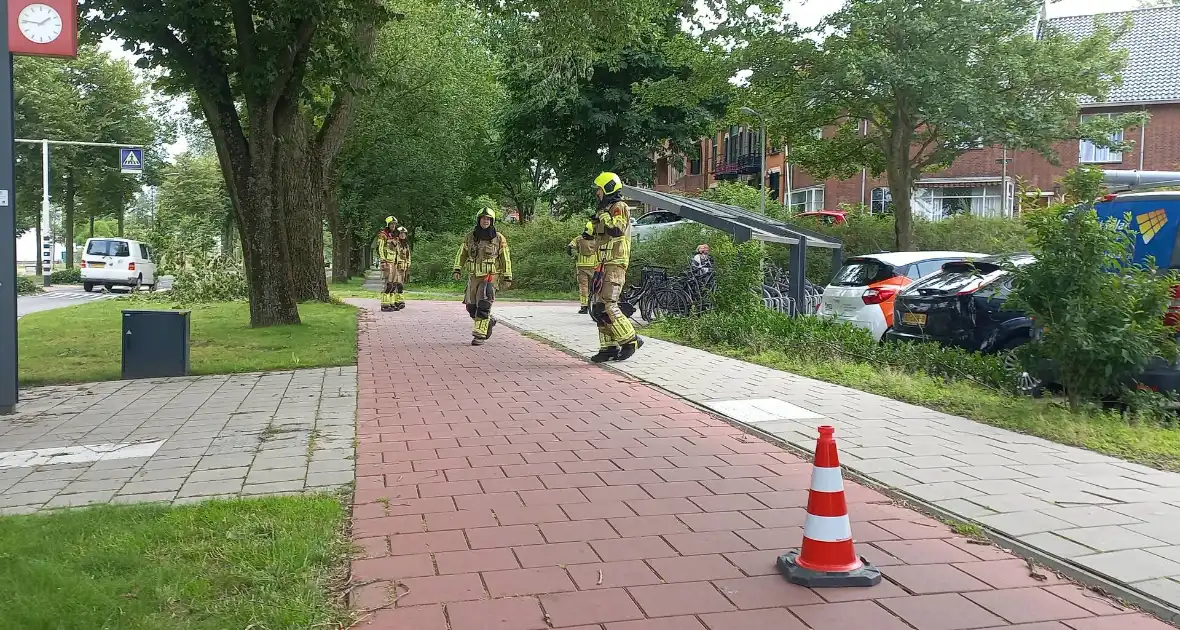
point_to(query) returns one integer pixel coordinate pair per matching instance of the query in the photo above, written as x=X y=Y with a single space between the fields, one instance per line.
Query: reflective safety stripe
x=826 y=480
x=827 y=528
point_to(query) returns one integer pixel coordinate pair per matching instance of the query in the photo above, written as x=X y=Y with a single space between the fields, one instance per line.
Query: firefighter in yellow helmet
x=402 y=264
x=612 y=232
x=387 y=253
x=586 y=250
x=484 y=256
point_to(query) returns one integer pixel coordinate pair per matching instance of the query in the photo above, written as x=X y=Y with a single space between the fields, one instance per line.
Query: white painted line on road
x=77 y=454
x=758 y=410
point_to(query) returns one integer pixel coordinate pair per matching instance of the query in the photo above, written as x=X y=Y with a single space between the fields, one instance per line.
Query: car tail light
x=130 y=266
x=82 y=264
x=878 y=295
x=1172 y=316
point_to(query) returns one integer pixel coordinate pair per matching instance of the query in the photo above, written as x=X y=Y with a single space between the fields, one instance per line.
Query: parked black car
x=963 y=306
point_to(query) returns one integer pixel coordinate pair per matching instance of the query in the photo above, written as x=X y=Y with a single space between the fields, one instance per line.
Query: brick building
x=982 y=181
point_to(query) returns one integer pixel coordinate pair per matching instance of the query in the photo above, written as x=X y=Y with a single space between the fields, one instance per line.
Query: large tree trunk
x=264 y=244
x=301 y=201
x=227 y=235
x=341 y=242
x=900 y=175
x=68 y=217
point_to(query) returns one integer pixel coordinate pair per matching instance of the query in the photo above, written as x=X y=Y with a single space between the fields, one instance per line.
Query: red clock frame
x=66 y=45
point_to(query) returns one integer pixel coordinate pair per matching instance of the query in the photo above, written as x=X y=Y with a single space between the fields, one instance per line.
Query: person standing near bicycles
x=484 y=255
x=702 y=263
x=612 y=233
x=585 y=249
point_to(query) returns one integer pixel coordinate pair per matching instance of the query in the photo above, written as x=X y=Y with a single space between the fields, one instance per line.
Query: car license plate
x=97 y=265
x=914 y=319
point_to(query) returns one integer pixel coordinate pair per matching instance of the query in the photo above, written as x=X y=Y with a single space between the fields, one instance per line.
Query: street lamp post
x=762 y=168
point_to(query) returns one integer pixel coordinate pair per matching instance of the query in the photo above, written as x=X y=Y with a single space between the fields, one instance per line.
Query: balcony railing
x=745 y=164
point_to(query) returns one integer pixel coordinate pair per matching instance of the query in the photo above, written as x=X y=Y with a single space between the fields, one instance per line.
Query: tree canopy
x=92 y=98
x=905 y=88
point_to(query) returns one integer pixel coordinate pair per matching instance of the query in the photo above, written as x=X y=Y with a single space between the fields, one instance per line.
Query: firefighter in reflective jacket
x=387 y=251
x=402 y=263
x=612 y=232
x=484 y=256
x=586 y=250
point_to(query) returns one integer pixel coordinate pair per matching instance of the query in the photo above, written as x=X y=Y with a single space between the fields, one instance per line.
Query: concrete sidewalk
x=1097 y=513
x=514 y=487
x=178 y=439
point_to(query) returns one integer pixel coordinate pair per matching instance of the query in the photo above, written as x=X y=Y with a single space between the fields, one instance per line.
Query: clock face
x=40 y=23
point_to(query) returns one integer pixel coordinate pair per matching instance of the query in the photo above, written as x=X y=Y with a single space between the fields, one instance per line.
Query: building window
x=775 y=185
x=713 y=164
x=941 y=203
x=881 y=201
x=1090 y=154
x=694 y=167
x=807 y=199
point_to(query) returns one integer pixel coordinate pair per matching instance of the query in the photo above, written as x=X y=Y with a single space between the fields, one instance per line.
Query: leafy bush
x=1100 y=316
x=539 y=258
x=805 y=338
x=28 y=285
x=66 y=276
x=217 y=279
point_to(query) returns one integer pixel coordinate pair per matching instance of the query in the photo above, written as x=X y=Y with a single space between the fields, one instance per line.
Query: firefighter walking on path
x=402 y=264
x=585 y=248
x=612 y=232
x=484 y=256
x=388 y=250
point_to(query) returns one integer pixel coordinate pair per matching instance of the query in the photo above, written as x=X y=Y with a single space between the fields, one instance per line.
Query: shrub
x=539 y=258
x=218 y=279
x=806 y=338
x=28 y=285
x=66 y=276
x=1100 y=316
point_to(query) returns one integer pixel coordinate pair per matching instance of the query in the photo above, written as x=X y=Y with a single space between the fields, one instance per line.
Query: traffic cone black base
x=866 y=575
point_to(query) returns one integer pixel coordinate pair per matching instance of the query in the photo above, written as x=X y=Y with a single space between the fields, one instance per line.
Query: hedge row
x=540 y=261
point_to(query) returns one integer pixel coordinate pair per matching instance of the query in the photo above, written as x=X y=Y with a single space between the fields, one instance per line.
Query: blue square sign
x=131 y=159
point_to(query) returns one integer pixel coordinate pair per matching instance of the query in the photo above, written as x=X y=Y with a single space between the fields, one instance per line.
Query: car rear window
x=956 y=277
x=108 y=248
x=859 y=272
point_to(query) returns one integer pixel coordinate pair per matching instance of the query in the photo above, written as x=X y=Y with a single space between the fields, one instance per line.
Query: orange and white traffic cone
x=827 y=558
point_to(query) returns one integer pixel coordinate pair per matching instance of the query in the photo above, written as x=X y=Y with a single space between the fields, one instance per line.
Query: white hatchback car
x=862 y=291
x=647 y=225
x=111 y=262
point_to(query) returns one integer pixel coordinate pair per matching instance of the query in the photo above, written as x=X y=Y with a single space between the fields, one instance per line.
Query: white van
x=111 y=262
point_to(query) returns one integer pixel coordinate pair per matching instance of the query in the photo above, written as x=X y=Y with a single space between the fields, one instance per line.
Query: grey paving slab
x=1019 y=485
x=244 y=434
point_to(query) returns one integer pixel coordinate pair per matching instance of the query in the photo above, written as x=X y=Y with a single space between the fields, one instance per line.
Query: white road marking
x=758 y=410
x=77 y=454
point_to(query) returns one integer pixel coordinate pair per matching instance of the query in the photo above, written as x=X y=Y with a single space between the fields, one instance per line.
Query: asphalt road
x=63 y=296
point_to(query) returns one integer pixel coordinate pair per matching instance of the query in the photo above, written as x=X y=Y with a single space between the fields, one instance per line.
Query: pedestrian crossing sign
x=131 y=159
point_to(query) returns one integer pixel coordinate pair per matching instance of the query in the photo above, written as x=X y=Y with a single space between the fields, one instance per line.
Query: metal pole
x=46 y=220
x=8 y=388
x=787 y=169
x=762 y=172
x=1004 y=186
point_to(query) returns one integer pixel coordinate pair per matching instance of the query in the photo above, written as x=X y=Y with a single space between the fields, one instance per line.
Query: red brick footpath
x=513 y=487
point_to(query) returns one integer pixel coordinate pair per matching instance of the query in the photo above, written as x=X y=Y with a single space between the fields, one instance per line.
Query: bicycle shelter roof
x=739 y=223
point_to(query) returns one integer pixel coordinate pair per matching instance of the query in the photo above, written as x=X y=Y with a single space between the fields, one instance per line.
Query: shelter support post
x=798 y=275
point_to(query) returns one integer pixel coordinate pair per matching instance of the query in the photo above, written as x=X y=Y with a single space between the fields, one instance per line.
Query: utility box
x=155 y=344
